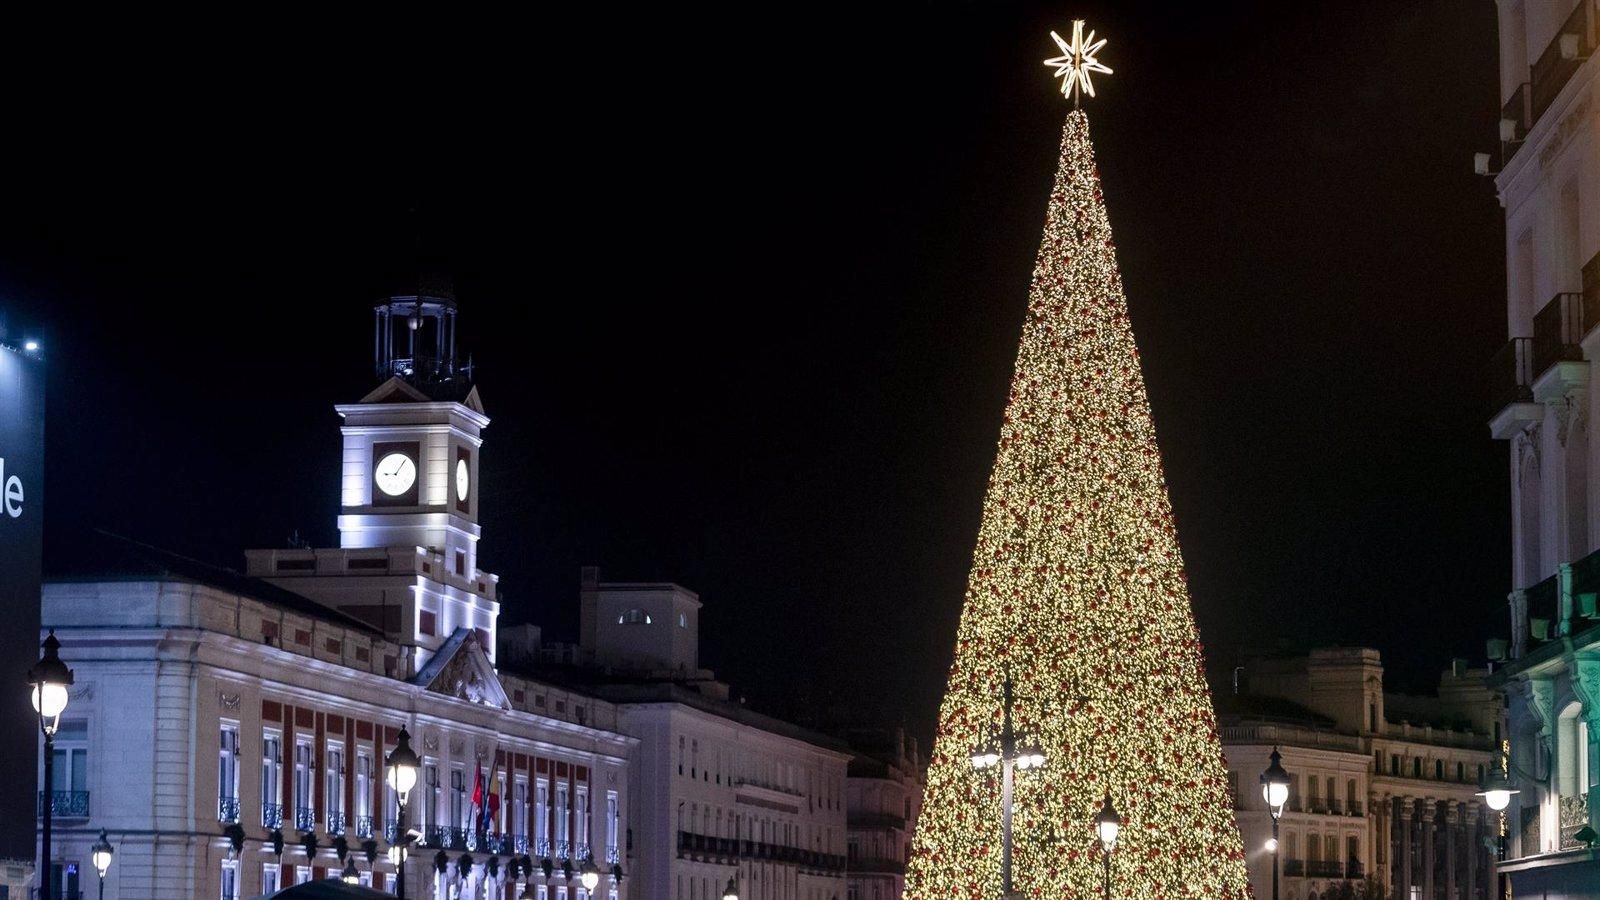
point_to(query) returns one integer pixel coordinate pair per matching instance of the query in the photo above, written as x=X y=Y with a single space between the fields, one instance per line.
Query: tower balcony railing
x=65 y=804
x=1511 y=374
x=1574 y=41
x=1557 y=328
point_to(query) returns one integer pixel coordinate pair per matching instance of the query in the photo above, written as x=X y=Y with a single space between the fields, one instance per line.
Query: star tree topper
x=1077 y=61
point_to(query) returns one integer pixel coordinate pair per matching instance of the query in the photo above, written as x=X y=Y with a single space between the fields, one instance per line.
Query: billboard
x=21 y=549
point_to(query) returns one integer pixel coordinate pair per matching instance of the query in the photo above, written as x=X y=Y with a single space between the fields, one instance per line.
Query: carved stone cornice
x=1586 y=684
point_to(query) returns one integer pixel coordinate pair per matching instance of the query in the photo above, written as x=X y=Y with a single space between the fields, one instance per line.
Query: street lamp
x=731 y=892
x=590 y=876
x=48 y=681
x=350 y=875
x=1106 y=826
x=100 y=853
x=1009 y=754
x=1497 y=789
x=402 y=765
x=1275 y=790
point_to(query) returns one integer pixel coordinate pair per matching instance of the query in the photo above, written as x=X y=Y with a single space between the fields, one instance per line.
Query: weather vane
x=1077 y=61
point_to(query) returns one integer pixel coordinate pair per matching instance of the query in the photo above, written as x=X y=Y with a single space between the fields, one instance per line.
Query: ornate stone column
x=1452 y=822
x=1430 y=824
x=1474 y=837
x=1407 y=810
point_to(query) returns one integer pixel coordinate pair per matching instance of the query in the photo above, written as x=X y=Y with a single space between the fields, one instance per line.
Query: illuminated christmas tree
x=1077 y=595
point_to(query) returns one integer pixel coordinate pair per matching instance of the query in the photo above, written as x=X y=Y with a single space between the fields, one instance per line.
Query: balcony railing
x=1555 y=67
x=1324 y=868
x=363 y=827
x=867 y=821
x=1352 y=869
x=227 y=809
x=272 y=815
x=1518 y=111
x=1511 y=374
x=1557 y=329
x=391 y=833
x=336 y=823
x=1294 y=867
x=563 y=849
x=66 y=804
x=1590 y=282
x=541 y=848
x=1574 y=812
x=305 y=819
x=612 y=856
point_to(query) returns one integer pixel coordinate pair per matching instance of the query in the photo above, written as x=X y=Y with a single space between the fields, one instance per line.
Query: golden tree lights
x=1077 y=590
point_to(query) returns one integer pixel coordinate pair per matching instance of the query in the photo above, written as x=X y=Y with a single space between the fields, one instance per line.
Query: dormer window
x=635 y=616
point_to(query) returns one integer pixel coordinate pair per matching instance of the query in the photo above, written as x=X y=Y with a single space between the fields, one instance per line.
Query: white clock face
x=463 y=480
x=395 y=474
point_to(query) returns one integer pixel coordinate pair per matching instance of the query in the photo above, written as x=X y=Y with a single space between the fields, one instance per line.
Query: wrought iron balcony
x=391 y=833
x=1294 y=868
x=1557 y=328
x=541 y=848
x=363 y=827
x=65 y=804
x=1352 y=869
x=563 y=850
x=227 y=809
x=336 y=823
x=1324 y=868
x=272 y=815
x=612 y=856
x=580 y=851
x=305 y=819
x=1574 y=40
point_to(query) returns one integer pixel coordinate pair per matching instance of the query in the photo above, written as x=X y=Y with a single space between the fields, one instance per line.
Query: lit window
x=230 y=879
x=270 y=875
x=271 y=778
x=228 y=774
x=635 y=616
x=683 y=620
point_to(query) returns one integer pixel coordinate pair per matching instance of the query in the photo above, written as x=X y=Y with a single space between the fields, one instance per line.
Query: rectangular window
x=230 y=879
x=582 y=819
x=333 y=787
x=270 y=875
x=228 y=775
x=1394 y=764
x=72 y=763
x=302 y=874
x=363 y=794
x=541 y=818
x=613 y=823
x=519 y=811
x=271 y=775
x=305 y=812
x=430 y=795
x=458 y=798
x=562 y=809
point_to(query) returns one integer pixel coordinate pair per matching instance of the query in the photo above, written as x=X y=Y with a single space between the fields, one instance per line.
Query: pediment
x=395 y=390
x=461 y=669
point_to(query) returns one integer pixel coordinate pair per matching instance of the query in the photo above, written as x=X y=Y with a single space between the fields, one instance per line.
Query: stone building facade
x=1383 y=785
x=883 y=798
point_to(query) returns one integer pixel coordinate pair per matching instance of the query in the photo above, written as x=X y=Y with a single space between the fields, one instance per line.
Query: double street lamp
x=48 y=681
x=1009 y=753
x=1275 y=790
x=402 y=765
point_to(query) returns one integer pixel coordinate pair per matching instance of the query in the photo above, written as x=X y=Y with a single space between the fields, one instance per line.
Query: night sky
x=744 y=295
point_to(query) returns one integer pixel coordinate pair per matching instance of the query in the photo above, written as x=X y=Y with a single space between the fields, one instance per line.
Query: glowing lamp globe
x=403 y=764
x=590 y=876
x=731 y=892
x=1497 y=790
x=49 y=679
x=1107 y=823
x=101 y=853
x=1272 y=845
x=1275 y=784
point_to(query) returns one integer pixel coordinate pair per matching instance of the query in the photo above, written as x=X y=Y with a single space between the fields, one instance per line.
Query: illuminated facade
x=1383 y=786
x=1543 y=407
x=229 y=730
x=883 y=798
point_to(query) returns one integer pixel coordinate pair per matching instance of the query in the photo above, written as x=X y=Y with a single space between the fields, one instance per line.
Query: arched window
x=1572 y=753
x=1291 y=844
x=635 y=616
x=683 y=620
x=1313 y=850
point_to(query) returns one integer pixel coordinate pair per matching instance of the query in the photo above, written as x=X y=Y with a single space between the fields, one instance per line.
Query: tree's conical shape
x=1077 y=591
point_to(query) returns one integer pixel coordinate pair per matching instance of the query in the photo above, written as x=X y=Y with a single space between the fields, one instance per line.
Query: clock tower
x=407 y=560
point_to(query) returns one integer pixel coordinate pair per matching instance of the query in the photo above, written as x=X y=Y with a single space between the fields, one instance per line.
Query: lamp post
x=1496 y=794
x=48 y=681
x=402 y=765
x=1106 y=826
x=590 y=876
x=100 y=853
x=1009 y=754
x=1275 y=790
